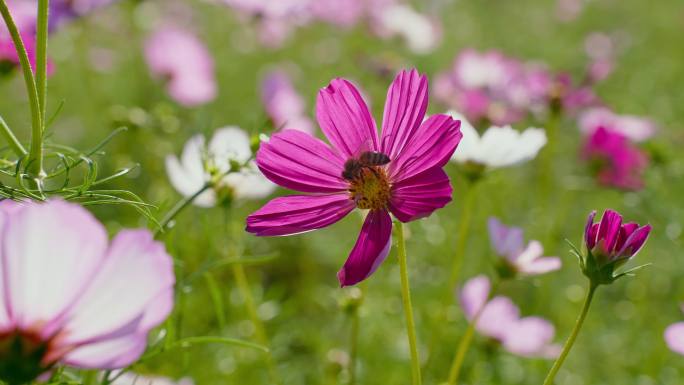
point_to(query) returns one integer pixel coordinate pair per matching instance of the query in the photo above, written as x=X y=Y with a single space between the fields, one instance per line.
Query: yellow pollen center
x=370 y=189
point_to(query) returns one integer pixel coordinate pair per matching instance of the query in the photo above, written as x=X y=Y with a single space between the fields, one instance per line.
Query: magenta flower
x=674 y=337
x=615 y=161
x=68 y=297
x=398 y=172
x=284 y=105
x=184 y=62
x=518 y=259
x=499 y=318
x=611 y=241
x=24 y=15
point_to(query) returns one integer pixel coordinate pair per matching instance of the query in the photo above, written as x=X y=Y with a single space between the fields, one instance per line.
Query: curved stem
x=41 y=56
x=35 y=160
x=178 y=207
x=408 y=309
x=573 y=336
x=12 y=140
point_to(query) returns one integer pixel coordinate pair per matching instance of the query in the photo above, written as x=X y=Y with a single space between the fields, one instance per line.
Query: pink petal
x=529 y=337
x=608 y=230
x=298 y=213
x=432 y=146
x=589 y=234
x=345 y=119
x=131 y=294
x=541 y=265
x=108 y=354
x=7 y=206
x=299 y=161
x=44 y=278
x=507 y=241
x=370 y=250
x=497 y=317
x=405 y=107
x=474 y=295
x=674 y=337
x=635 y=241
x=420 y=195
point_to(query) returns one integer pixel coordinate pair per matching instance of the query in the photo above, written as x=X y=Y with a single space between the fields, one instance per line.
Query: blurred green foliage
x=297 y=292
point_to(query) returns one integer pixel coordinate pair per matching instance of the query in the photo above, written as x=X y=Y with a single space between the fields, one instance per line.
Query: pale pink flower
x=674 y=336
x=499 y=318
x=130 y=378
x=635 y=128
x=181 y=59
x=71 y=297
x=284 y=105
x=518 y=258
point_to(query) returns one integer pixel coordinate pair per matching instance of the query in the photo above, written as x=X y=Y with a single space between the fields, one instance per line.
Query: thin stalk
x=35 y=160
x=457 y=262
x=462 y=235
x=178 y=207
x=408 y=308
x=549 y=154
x=573 y=336
x=11 y=140
x=354 y=345
x=466 y=341
x=41 y=56
x=242 y=282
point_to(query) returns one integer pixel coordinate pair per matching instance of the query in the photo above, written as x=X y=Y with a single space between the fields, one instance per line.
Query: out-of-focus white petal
x=50 y=253
x=134 y=285
x=497 y=317
x=530 y=337
x=229 y=143
x=470 y=141
x=419 y=32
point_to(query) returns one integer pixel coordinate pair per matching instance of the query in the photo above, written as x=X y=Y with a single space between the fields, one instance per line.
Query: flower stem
x=178 y=207
x=408 y=309
x=461 y=240
x=354 y=344
x=12 y=140
x=463 y=346
x=573 y=336
x=41 y=56
x=35 y=161
x=466 y=340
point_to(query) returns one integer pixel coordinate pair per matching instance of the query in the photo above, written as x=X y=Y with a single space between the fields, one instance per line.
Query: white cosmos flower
x=498 y=146
x=419 y=32
x=200 y=163
x=130 y=378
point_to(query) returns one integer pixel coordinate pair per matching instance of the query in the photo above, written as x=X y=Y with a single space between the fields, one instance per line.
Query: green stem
x=462 y=238
x=35 y=160
x=466 y=340
x=353 y=349
x=12 y=141
x=178 y=207
x=41 y=56
x=259 y=330
x=463 y=346
x=548 y=155
x=408 y=309
x=573 y=336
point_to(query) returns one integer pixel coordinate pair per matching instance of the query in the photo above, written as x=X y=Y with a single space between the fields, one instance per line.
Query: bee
x=367 y=159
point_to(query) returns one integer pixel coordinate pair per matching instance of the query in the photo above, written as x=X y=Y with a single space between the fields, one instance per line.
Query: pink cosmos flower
x=633 y=127
x=499 y=318
x=69 y=296
x=284 y=105
x=182 y=59
x=24 y=15
x=674 y=336
x=508 y=243
x=404 y=176
x=615 y=160
x=611 y=240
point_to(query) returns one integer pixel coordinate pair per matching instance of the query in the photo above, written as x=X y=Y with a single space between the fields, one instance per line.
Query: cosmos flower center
x=21 y=356
x=370 y=189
